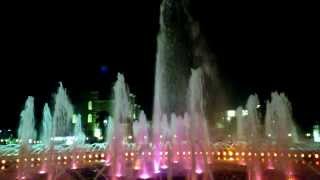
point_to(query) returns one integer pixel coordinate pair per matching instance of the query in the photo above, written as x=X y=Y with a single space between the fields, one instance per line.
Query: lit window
x=74 y=119
x=97 y=132
x=90 y=105
x=231 y=113
x=89 y=118
x=245 y=112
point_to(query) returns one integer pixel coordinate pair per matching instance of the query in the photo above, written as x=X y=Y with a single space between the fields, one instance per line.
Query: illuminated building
x=96 y=110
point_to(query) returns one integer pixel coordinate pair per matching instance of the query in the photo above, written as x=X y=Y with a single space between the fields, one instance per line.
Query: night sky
x=259 y=48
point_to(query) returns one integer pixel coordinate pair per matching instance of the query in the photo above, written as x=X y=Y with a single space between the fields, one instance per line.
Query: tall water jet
x=141 y=136
x=140 y=129
x=269 y=123
x=79 y=136
x=62 y=115
x=26 y=131
x=196 y=107
x=121 y=109
x=46 y=128
x=109 y=131
x=174 y=58
x=253 y=120
x=279 y=124
x=199 y=135
x=241 y=125
x=180 y=47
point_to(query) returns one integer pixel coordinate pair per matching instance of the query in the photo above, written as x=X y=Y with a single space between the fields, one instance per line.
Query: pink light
x=242 y=163
x=164 y=166
x=156 y=166
x=144 y=176
x=270 y=166
x=42 y=172
x=175 y=161
x=136 y=167
x=74 y=166
x=157 y=171
x=118 y=175
x=199 y=171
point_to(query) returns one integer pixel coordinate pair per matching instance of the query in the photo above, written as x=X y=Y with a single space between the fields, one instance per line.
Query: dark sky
x=260 y=47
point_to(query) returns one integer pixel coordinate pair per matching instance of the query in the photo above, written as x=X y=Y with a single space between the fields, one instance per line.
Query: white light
x=74 y=119
x=308 y=134
x=42 y=172
x=231 y=113
x=316 y=133
x=90 y=105
x=30 y=141
x=198 y=171
x=89 y=118
x=289 y=134
x=245 y=112
x=269 y=135
x=69 y=141
x=258 y=106
x=97 y=133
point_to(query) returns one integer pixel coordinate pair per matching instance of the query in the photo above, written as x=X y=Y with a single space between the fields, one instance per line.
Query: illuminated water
x=178 y=140
x=46 y=128
x=26 y=129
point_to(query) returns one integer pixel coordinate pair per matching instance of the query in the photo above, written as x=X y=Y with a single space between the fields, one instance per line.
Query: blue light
x=104 y=69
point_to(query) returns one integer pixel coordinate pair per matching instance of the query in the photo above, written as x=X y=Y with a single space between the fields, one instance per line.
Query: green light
x=97 y=133
x=90 y=105
x=89 y=118
x=74 y=119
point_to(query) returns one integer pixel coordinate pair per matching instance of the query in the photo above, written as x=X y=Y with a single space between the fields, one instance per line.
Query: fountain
x=79 y=136
x=120 y=127
x=63 y=111
x=179 y=141
x=253 y=120
x=26 y=131
x=279 y=123
x=46 y=132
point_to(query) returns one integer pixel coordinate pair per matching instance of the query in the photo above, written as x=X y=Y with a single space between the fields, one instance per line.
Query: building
x=96 y=111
